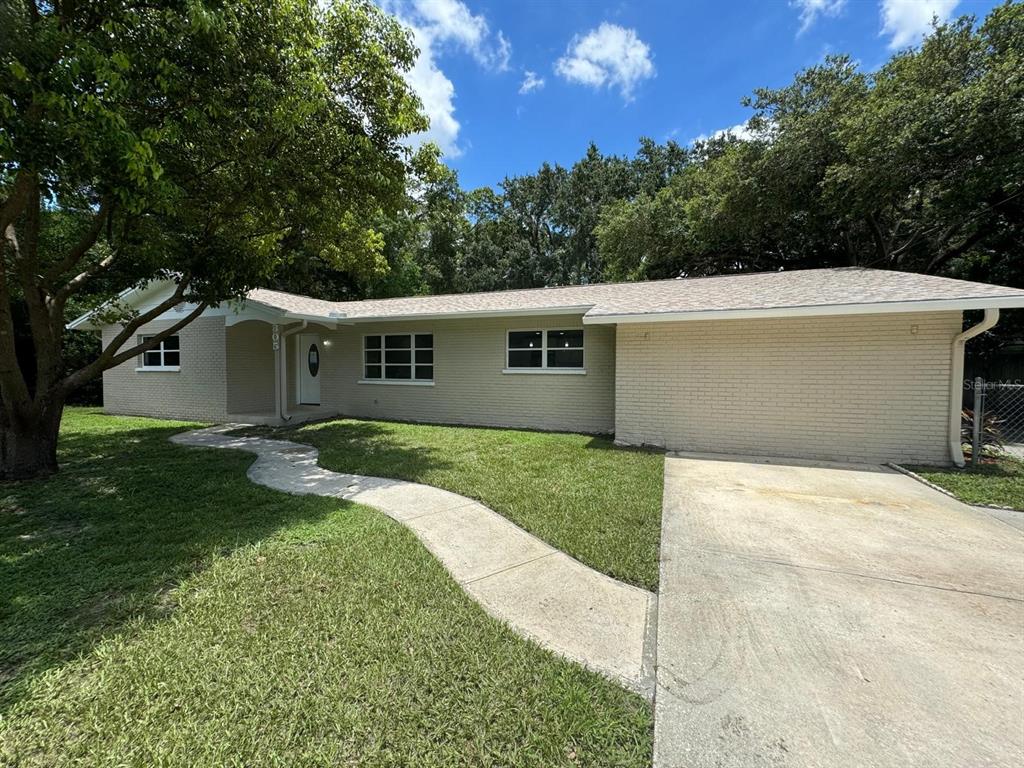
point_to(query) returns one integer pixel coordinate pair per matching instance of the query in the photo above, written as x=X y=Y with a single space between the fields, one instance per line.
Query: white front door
x=309 y=359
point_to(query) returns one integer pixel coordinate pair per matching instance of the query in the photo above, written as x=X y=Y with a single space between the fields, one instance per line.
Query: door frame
x=302 y=341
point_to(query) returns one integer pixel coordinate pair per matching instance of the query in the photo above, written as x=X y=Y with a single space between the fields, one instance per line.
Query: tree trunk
x=29 y=449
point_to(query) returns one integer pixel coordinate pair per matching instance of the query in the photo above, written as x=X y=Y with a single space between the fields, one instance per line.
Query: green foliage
x=915 y=167
x=991 y=432
x=251 y=627
x=581 y=494
x=212 y=142
x=998 y=482
x=220 y=135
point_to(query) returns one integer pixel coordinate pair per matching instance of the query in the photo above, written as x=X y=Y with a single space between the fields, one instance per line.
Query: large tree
x=205 y=141
x=918 y=166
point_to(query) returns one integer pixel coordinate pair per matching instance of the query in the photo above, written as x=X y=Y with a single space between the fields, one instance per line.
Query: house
x=839 y=364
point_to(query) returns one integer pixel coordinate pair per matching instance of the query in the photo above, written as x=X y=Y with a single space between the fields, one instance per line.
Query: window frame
x=159 y=348
x=544 y=368
x=413 y=350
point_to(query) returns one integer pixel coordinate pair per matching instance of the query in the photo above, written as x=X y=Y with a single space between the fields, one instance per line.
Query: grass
x=999 y=483
x=584 y=495
x=160 y=609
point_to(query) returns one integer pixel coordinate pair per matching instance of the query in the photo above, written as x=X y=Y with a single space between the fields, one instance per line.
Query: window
x=400 y=357
x=558 y=350
x=165 y=356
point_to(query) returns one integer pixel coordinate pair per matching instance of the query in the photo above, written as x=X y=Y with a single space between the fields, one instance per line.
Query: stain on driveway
x=829 y=615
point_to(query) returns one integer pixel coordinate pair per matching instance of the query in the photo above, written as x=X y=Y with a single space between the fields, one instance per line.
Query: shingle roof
x=754 y=293
x=294 y=303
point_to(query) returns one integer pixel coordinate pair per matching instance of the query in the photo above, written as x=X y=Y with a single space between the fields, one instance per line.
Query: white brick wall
x=197 y=391
x=469 y=386
x=250 y=368
x=853 y=388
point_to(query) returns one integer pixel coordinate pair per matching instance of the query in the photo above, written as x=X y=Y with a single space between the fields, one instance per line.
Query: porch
x=298 y=414
x=273 y=374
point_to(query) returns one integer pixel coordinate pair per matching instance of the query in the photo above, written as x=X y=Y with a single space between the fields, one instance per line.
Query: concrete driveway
x=827 y=615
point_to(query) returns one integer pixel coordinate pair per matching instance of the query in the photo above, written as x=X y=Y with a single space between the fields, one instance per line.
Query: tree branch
x=12 y=208
x=103 y=362
x=110 y=356
x=75 y=283
x=80 y=248
x=951 y=253
x=876 y=233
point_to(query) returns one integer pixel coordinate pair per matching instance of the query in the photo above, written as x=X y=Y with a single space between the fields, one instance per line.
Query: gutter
x=805 y=310
x=956 y=450
x=282 y=372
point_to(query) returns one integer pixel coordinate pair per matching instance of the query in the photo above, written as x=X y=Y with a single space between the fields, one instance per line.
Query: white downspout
x=956 y=390
x=282 y=374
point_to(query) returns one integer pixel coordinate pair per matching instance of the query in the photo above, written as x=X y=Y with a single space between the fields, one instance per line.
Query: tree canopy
x=918 y=166
x=208 y=141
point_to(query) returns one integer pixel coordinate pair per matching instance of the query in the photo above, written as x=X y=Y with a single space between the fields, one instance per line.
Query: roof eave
x=83 y=322
x=818 y=310
x=579 y=309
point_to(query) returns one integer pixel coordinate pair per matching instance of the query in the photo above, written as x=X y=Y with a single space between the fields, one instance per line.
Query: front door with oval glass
x=309 y=363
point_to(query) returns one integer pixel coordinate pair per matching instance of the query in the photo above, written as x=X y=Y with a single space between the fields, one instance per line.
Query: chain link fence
x=995 y=423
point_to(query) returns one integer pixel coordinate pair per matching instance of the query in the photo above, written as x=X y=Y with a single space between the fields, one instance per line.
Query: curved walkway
x=541 y=592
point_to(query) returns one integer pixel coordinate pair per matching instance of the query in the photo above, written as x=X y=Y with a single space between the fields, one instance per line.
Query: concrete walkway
x=539 y=591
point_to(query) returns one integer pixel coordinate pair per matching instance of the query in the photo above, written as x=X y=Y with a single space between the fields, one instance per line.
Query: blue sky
x=509 y=85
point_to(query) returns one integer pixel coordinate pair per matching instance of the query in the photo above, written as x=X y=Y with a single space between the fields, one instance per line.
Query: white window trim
x=143 y=368
x=399 y=382
x=544 y=369
x=413 y=349
x=547 y=371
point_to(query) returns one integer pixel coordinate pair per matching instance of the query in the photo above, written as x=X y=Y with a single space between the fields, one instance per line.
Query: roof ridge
x=579 y=285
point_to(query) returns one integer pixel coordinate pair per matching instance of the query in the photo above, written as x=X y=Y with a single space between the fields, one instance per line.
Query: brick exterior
x=862 y=388
x=850 y=388
x=250 y=368
x=198 y=391
x=469 y=386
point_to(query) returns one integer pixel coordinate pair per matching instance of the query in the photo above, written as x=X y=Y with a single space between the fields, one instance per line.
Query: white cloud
x=739 y=131
x=502 y=53
x=907 y=21
x=810 y=10
x=609 y=55
x=437 y=25
x=450 y=21
x=531 y=82
x=437 y=93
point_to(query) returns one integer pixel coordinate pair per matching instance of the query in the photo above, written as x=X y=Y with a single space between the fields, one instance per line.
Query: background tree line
x=918 y=166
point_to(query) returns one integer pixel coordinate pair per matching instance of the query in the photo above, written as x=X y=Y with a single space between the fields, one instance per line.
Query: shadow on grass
x=106 y=541
x=367 y=448
x=607 y=443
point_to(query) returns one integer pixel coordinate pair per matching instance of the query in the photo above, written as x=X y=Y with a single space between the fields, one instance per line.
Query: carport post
x=979 y=415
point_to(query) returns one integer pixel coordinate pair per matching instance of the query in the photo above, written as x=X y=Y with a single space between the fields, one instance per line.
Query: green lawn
x=599 y=503
x=159 y=609
x=999 y=484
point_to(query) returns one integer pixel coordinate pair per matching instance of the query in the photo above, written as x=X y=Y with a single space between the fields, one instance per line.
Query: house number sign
x=275 y=337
